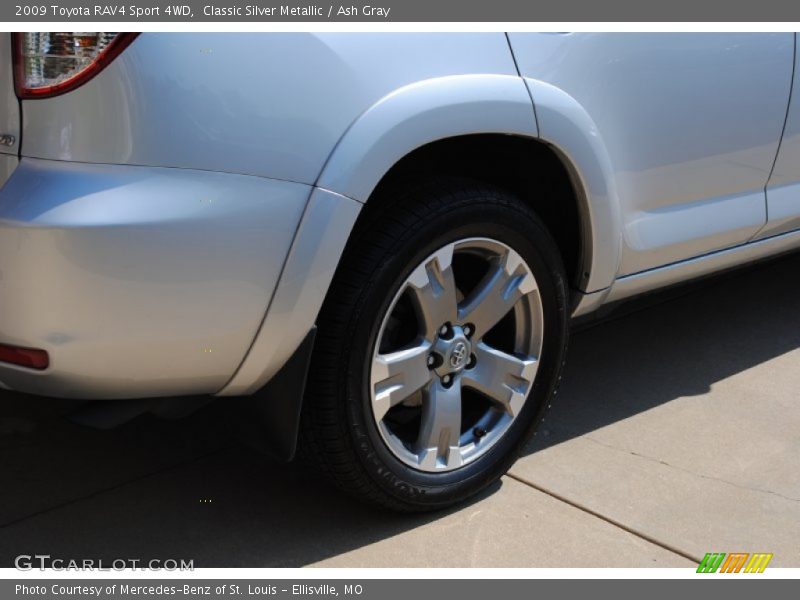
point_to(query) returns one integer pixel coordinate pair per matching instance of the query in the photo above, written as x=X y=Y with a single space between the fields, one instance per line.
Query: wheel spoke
x=440 y=429
x=506 y=282
x=397 y=375
x=434 y=290
x=504 y=378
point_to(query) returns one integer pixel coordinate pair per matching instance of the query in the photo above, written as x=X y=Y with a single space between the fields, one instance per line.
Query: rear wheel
x=439 y=346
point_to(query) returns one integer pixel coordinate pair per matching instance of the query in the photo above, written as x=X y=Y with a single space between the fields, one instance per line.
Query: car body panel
x=690 y=124
x=783 y=191
x=9 y=111
x=8 y=162
x=639 y=283
x=138 y=281
x=273 y=105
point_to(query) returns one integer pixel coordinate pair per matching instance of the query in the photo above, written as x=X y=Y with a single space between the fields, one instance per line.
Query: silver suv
x=375 y=242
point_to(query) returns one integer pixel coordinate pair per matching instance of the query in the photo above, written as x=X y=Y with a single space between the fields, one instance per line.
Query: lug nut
x=472 y=360
x=445 y=331
x=469 y=329
x=447 y=380
x=434 y=360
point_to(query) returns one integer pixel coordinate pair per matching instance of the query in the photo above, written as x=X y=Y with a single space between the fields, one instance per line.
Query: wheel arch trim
x=448 y=107
x=313 y=258
x=421 y=113
x=568 y=128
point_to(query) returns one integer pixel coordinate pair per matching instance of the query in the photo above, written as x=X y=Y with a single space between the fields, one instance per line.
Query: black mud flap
x=269 y=420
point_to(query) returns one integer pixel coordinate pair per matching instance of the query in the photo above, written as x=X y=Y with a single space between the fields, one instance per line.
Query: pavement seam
x=641 y=535
x=689 y=472
x=109 y=489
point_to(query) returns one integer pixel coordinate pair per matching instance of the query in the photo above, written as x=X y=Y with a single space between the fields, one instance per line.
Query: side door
x=690 y=123
x=783 y=190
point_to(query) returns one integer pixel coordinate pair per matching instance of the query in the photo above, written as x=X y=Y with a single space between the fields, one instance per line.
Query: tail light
x=47 y=64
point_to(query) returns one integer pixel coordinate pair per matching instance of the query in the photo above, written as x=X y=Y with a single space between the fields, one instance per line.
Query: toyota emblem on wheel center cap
x=458 y=356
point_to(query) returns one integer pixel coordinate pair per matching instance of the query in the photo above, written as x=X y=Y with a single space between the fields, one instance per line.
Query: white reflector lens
x=50 y=60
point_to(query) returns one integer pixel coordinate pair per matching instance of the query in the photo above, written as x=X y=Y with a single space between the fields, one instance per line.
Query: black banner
x=393 y=589
x=401 y=11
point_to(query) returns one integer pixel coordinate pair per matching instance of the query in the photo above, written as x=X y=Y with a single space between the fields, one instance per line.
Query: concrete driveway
x=676 y=433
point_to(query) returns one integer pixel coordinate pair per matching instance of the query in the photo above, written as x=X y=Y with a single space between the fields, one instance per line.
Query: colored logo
x=735 y=562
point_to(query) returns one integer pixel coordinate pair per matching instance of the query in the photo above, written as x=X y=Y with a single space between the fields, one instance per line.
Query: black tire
x=338 y=434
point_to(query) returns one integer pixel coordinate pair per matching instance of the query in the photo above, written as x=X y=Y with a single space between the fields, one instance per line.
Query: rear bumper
x=138 y=281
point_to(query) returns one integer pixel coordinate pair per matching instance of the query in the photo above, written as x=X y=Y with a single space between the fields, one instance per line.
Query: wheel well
x=526 y=167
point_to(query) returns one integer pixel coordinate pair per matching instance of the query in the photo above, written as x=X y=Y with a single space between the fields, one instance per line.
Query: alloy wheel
x=456 y=354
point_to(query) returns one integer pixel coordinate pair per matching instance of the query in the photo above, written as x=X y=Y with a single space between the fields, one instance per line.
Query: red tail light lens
x=24 y=357
x=47 y=64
